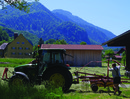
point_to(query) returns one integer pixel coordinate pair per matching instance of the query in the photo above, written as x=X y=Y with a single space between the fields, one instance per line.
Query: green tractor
x=49 y=67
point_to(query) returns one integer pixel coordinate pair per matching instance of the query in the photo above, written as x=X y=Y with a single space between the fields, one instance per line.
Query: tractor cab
x=52 y=57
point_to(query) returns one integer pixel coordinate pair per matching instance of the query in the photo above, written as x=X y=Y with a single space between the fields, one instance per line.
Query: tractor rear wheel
x=58 y=77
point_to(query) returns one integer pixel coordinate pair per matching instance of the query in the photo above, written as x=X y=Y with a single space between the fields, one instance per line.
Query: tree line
x=58 y=41
x=109 y=54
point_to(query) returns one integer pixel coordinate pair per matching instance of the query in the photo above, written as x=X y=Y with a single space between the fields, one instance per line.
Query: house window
x=17 y=42
x=13 y=47
x=20 y=53
x=26 y=53
x=13 y=53
x=22 y=42
x=20 y=48
x=27 y=48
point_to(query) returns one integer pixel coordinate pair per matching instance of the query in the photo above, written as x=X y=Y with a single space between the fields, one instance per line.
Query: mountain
x=45 y=24
x=73 y=32
x=41 y=22
x=95 y=33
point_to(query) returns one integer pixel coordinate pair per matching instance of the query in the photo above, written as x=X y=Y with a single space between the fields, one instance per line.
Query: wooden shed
x=82 y=54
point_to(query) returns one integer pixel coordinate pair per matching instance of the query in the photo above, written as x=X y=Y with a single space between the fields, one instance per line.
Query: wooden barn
x=82 y=54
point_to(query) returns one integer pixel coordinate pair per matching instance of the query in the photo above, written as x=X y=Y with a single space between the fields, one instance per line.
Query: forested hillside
x=95 y=33
x=42 y=23
x=7 y=35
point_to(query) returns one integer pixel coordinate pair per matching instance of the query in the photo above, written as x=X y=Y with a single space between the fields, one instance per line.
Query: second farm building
x=82 y=54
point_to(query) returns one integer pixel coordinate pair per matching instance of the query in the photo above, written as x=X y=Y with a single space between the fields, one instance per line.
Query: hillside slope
x=45 y=24
x=95 y=33
x=41 y=22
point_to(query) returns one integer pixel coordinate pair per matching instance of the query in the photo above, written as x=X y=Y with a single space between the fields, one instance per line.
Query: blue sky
x=113 y=15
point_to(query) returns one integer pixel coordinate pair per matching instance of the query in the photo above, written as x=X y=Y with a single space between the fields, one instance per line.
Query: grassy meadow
x=13 y=62
x=81 y=90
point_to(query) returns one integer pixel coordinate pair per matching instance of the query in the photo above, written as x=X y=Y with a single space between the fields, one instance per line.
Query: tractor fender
x=58 y=66
x=52 y=68
x=21 y=74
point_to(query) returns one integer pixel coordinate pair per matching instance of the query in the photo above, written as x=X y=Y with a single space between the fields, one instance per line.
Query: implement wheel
x=94 y=87
x=58 y=77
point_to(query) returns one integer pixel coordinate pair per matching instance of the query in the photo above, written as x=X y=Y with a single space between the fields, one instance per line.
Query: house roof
x=121 y=40
x=3 y=46
x=24 y=37
x=118 y=56
x=72 y=47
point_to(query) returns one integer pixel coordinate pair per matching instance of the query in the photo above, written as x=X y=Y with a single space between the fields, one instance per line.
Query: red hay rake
x=96 y=80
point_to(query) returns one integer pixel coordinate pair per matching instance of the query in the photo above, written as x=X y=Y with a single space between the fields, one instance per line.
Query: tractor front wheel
x=18 y=81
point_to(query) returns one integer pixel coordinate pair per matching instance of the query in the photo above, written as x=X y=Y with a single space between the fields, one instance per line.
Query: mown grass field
x=81 y=90
x=13 y=62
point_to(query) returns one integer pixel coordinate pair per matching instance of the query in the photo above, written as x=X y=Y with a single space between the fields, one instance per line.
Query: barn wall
x=82 y=57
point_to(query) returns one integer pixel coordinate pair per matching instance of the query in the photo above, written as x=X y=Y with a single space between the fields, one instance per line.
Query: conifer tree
x=40 y=42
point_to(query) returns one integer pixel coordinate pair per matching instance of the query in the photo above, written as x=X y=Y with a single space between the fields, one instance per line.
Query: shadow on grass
x=21 y=92
x=124 y=96
x=110 y=93
x=80 y=91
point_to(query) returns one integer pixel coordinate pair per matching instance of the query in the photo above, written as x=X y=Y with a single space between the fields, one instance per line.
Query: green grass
x=13 y=62
x=29 y=93
x=102 y=93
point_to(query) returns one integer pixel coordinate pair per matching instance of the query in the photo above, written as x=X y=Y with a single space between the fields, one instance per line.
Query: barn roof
x=72 y=47
x=121 y=40
x=3 y=46
x=121 y=50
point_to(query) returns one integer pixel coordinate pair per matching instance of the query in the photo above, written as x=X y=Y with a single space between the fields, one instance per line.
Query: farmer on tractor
x=116 y=77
